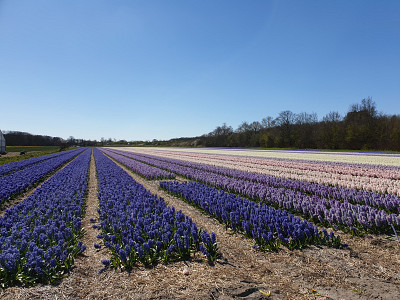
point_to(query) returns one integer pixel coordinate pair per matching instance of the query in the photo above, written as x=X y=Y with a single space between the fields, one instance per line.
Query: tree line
x=362 y=128
x=18 y=138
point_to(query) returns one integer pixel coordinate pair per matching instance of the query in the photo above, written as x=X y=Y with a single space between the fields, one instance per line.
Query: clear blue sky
x=143 y=70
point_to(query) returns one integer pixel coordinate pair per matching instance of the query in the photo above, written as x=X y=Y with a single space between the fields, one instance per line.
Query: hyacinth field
x=350 y=209
x=172 y=222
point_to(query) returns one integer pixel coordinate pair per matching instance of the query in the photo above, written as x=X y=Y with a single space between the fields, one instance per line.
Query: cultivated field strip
x=138 y=227
x=127 y=237
x=354 y=218
x=19 y=165
x=387 y=202
x=376 y=178
x=336 y=157
x=142 y=169
x=39 y=237
x=369 y=170
x=19 y=181
x=268 y=227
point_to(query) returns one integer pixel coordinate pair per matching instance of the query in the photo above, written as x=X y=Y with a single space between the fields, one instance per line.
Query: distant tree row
x=362 y=128
x=18 y=138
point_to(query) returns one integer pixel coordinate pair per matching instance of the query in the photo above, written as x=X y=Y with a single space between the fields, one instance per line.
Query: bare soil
x=369 y=268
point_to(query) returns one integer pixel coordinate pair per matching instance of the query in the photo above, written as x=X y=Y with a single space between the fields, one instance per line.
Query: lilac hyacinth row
x=267 y=226
x=140 y=168
x=149 y=160
x=39 y=237
x=19 y=165
x=347 y=216
x=389 y=202
x=138 y=227
x=17 y=182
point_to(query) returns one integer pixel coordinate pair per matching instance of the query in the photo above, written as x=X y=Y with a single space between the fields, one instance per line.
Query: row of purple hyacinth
x=39 y=237
x=142 y=169
x=19 y=165
x=346 y=216
x=138 y=227
x=268 y=227
x=17 y=182
x=388 y=202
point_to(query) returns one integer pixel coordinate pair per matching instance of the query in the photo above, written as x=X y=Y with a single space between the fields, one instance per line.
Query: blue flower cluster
x=138 y=227
x=140 y=168
x=39 y=237
x=354 y=218
x=269 y=227
x=19 y=165
x=17 y=182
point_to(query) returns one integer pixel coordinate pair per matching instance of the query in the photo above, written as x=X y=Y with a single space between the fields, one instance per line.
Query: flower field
x=352 y=210
x=254 y=218
x=139 y=227
x=267 y=226
x=23 y=174
x=334 y=170
x=40 y=236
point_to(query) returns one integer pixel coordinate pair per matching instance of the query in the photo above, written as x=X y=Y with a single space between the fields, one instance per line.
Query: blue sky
x=143 y=70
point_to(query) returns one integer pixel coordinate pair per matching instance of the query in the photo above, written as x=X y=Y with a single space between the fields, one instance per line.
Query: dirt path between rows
x=368 y=269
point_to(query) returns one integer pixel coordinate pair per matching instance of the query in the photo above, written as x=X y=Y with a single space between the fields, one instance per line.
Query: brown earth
x=369 y=268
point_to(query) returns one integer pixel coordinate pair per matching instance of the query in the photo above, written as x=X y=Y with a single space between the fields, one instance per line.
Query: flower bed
x=17 y=182
x=354 y=218
x=140 y=168
x=388 y=202
x=19 y=165
x=39 y=237
x=138 y=227
x=376 y=178
x=267 y=226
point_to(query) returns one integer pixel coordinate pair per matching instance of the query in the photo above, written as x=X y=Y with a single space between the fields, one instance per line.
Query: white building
x=2 y=143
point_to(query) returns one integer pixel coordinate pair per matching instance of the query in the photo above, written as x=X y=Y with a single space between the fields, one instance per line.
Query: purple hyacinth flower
x=106 y=262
